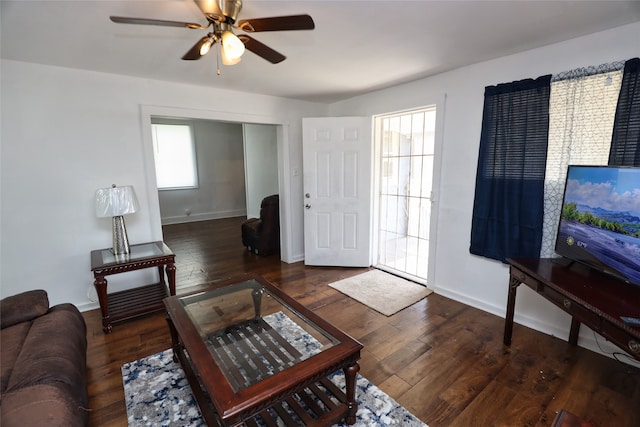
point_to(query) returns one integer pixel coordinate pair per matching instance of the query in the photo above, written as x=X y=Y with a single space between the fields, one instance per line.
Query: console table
x=589 y=296
x=139 y=300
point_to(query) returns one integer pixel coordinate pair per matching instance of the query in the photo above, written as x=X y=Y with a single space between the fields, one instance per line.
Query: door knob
x=307 y=195
x=307 y=206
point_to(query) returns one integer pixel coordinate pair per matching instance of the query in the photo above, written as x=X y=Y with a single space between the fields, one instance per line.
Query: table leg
x=575 y=330
x=101 y=288
x=350 y=383
x=161 y=275
x=171 y=276
x=175 y=340
x=257 y=302
x=511 y=306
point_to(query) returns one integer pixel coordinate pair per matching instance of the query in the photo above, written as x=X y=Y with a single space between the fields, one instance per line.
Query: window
x=175 y=155
x=582 y=109
x=580 y=114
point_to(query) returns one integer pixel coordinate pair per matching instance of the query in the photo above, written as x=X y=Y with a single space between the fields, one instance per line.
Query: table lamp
x=115 y=202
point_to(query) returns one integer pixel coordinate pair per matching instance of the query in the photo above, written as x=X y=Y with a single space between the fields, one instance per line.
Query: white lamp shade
x=115 y=201
x=226 y=60
x=205 y=47
x=232 y=47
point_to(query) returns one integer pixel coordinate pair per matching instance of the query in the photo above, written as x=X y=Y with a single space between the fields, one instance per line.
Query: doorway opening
x=405 y=152
x=281 y=129
x=228 y=168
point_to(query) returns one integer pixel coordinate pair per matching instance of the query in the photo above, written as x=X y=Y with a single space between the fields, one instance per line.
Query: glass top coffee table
x=254 y=356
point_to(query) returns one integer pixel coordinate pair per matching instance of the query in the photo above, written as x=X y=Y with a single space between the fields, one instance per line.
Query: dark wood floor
x=441 y=359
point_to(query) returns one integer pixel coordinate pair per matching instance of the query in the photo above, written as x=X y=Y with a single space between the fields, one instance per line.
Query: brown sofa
x=43 y=371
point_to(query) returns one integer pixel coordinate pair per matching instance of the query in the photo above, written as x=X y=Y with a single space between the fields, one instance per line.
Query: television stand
x=591 y=297
x=565 y=262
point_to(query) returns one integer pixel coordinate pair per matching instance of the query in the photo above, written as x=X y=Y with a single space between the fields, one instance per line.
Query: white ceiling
x=356 y=47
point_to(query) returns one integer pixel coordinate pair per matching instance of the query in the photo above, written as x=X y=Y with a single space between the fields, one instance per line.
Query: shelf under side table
x=137 y=301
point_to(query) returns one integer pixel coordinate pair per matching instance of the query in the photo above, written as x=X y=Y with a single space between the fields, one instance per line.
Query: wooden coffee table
x=251 y=352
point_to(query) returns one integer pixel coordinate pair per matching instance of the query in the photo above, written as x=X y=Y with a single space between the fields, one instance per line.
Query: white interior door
x=337 y=187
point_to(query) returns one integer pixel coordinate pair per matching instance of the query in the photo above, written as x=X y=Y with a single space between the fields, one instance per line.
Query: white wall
x=66 y=133
x=221 y=184
x=261 y=165
x=475 y=280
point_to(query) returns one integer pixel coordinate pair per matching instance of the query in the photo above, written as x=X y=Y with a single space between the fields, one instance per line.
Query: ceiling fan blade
x=261 y=49
x=211 y=9
x=194 y=52
x=145 y=21
x=277 y=23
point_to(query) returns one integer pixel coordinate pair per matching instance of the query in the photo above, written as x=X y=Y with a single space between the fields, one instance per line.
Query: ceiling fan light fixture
x=222 y=16
x=206 y=46
x=232 y=46
x=226 y=59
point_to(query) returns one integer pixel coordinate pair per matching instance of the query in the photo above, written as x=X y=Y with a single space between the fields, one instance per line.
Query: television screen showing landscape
x=600 y=220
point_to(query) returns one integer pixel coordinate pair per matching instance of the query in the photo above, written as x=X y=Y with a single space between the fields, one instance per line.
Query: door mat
x=383 y=292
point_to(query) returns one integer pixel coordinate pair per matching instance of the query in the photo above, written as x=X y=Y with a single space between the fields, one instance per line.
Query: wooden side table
x=137 y=301
x=595 y=299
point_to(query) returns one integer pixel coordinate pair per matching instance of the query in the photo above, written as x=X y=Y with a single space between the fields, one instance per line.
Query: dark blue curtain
x=625 y=142
x=509 y=197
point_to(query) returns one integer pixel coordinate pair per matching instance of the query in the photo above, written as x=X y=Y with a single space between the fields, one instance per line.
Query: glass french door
x=407 y=148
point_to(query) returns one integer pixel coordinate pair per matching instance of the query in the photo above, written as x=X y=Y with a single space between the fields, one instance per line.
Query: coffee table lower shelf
x=320 y=403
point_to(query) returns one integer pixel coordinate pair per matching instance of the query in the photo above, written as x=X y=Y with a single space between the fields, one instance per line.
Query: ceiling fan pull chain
x=218 y=47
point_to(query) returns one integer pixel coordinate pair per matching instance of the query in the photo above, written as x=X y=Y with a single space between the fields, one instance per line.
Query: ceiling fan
x=222 y=17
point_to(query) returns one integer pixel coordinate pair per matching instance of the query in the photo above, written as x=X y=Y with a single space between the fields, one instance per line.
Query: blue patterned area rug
x=158 y=394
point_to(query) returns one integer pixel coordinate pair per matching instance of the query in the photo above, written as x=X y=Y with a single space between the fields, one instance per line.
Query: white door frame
x=155 y=223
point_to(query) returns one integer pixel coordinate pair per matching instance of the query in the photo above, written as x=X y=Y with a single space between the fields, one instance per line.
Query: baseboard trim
x=87 y=306
x=202 y=217
x=295 y=258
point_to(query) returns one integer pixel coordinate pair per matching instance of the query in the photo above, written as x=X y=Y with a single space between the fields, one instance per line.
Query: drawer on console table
x=576 y=310
x=621 y=338
x=526 y=279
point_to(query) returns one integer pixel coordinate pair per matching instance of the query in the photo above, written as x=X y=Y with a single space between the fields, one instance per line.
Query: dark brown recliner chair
x=262 y=235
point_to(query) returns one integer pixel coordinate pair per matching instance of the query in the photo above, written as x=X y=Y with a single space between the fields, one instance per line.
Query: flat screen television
x=600 y=220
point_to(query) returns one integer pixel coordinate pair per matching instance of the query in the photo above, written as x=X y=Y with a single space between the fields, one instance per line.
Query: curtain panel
x=509 y=195
x=625 y=142
x=582 y=107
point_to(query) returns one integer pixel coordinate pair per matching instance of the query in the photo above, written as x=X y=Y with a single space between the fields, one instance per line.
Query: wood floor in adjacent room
x=441 y=359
